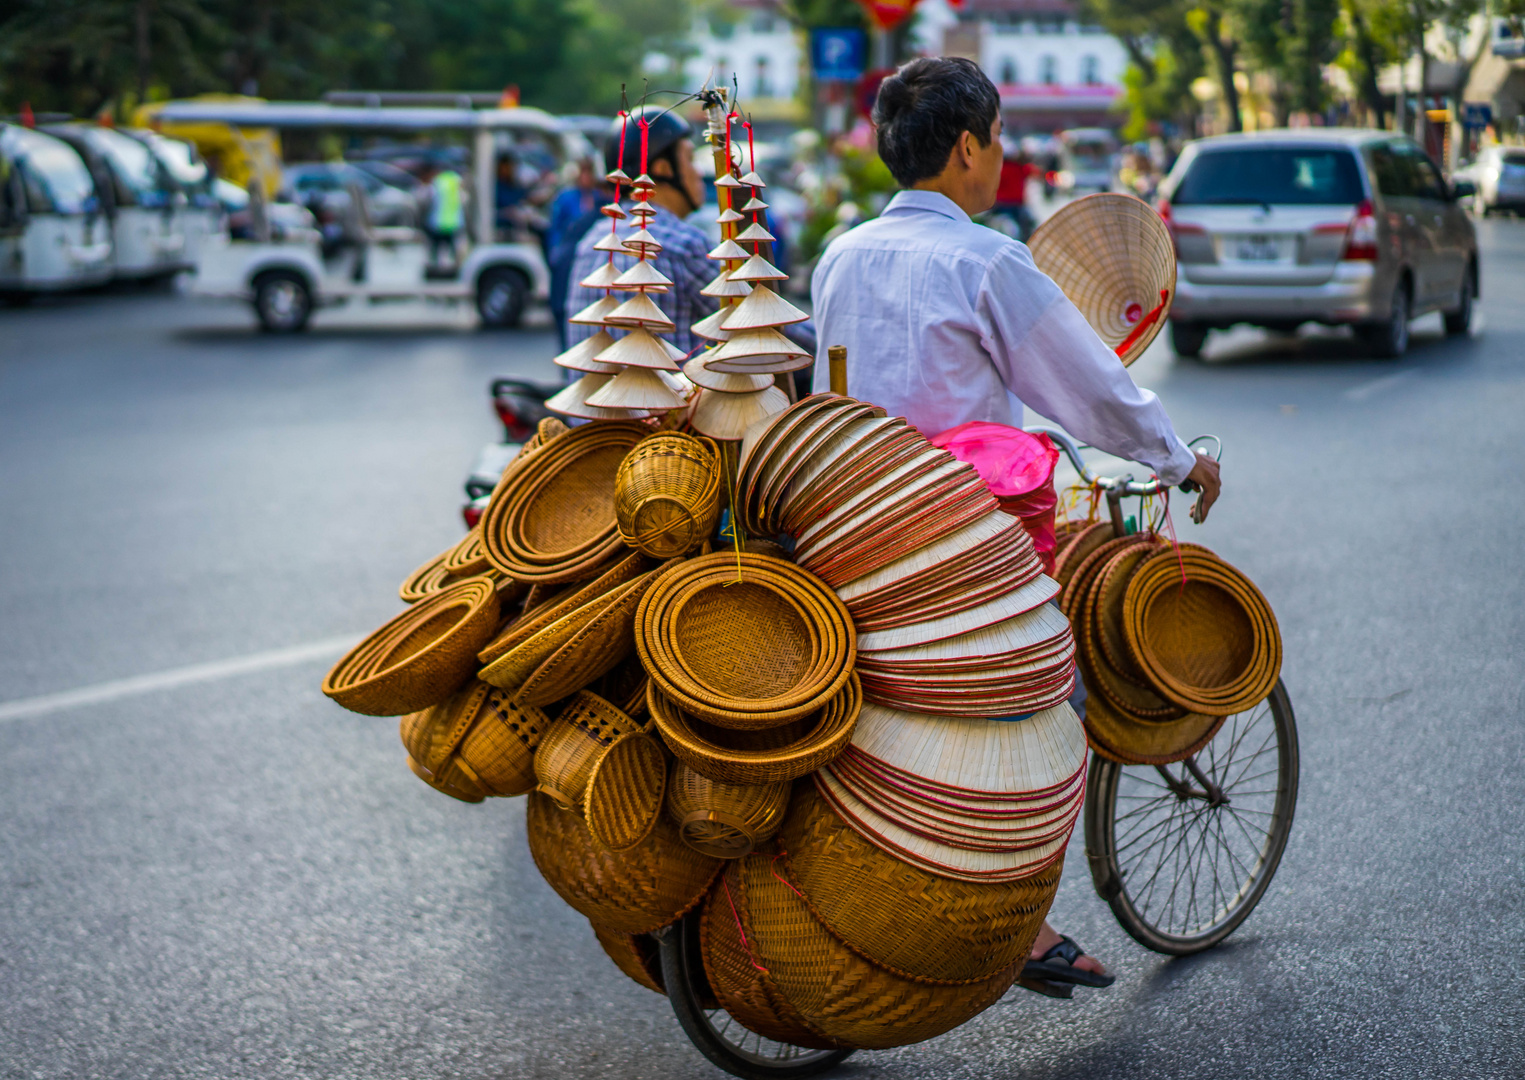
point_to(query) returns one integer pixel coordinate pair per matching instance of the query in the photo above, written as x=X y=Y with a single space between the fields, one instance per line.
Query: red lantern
x=888 y=14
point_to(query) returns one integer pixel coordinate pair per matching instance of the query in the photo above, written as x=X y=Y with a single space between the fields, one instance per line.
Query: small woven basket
x=1131 y=740
x=587 y=727
x=724 y=820
x=419 y=658
x=469 y=557
x=635 y=891
x=429 y=578
x=475 y=744
x=667 y=494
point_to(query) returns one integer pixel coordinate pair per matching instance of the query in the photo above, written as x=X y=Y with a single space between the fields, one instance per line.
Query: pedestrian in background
x=574 y=211
x=445 y=216
x=1017 y=169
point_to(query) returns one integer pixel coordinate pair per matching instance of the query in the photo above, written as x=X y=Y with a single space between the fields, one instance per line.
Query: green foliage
x=1165 y=59
x=813 y=13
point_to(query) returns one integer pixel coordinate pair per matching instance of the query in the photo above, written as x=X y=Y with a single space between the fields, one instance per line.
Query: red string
x=783 y=879
x=645 y=129
x=732 y=115
x=1144 y=324
x=620 y=161
x=1175 y=544
x=751 y=153
x=745 y=944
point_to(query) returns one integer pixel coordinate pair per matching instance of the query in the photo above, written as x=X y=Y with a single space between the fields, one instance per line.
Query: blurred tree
x=1291 y=40
x=1165 y=58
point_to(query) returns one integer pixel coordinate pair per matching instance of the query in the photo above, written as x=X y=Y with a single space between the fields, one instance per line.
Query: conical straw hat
x=636 y=388
x=755 y=234
x=728 y=181
x=617 y=177
x=933 y=555
x=709 y=326
x=728 y=215
x=639 y=348
x=613 y=210
x=614 y=244
x=763 y=308
x=602 y=278
x=640 y=310
x=999 y=610
x=702 y=377
x=723 y=287
x=757 y=268
x=580 y=357
x=641 y=240
x=644 y=183
x=727 y=416
x=759 y=342
x=729 y=249
x=1113 y=257
x=642 y=275
x=573 y=401
x=751 y=179
x=593 y=314
x=1011 y=637
x=759 y=440
x=754 y=204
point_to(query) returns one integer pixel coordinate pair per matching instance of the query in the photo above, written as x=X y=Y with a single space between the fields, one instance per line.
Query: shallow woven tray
x=541 y=610
x=429 y=578
x=468 y=557
x=1132 y=741
x=420 y=657
x=599 y=646
x=636 y=955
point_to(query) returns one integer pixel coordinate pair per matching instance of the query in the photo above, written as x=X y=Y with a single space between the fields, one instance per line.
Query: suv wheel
x=501 y=295
x=1187 y=339
x=1390 y=339
x=282 y=301
x=1459 y=321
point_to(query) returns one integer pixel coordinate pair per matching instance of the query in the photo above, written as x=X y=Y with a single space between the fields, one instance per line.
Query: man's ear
x=661 y=169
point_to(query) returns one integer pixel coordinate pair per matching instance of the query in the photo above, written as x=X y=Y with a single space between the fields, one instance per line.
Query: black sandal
x=1048 y=989
x=1058 y=966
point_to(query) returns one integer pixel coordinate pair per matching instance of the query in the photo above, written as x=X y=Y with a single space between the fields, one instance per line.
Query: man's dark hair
x=924 y=107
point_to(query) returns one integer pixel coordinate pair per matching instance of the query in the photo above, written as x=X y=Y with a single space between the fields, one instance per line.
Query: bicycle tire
x=1189 y=840
x=713 y=1031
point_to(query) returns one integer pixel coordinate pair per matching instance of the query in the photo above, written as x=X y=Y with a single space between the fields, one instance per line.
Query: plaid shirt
x=682 y=259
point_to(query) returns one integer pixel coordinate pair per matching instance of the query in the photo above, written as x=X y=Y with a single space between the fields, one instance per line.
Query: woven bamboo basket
x=724 y=820
x=420 y=657
x=634 y=954
x=596 y=648
x=546 y=603
x=758 y=757
x=575 y=741
x=635 y=891
x=623 y=798
x=762 y=943
x=903 y=918
x=1130 y=740
x=1113 y=256
x=1131 y=693
x=1073 y=551
x=475 y=744
x=1209 y=643
x=667 y=494
x=469 y=557
x=429 y=578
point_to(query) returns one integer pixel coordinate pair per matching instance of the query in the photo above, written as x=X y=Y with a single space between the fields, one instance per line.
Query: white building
x=753 y=42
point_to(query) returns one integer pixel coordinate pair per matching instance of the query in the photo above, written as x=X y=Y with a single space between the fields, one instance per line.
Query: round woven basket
x=1101 y=603
x=623 y=798
x=763 y=948
x=573 y=745
x=724 y=820
x=635 y=891
x=468 y=557
x=429 y=578
x=903 y=918
x=420 y=657
x=667 y=494
x=1113 y=256
x=1209 y=643
x=743 y=640
x=758 y=757
x=547 y=603
x=1130 y=740
x=603 y=617
x=634 y=954
x=475 y=744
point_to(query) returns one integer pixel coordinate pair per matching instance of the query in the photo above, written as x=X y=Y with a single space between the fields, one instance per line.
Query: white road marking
x=211 y=671
x=1362 y=391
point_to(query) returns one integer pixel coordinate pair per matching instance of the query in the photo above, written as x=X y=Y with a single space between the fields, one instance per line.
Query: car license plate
x=1257 y=249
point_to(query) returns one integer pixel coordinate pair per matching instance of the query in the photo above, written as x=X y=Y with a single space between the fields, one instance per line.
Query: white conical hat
x=755 y=233
x=573 y=401
x=593 y=314
x=602 y=278
x=727 y=416
x=730 y=249
x=639 y=349
x=759 y=342
x=728 y=181
x=642 y=240
x=753 y=180
x=581 y=357
x=645 y=184
x=617 y=176
x=763 y=307
x=642 y=275
x=709 y=326
x=724 y=288
x=758 y=268
x=613 y=210
x=613 y=243
x=728 y=215
x=636 y=388
x=640 y=310
x=705 y=379
x=754 y=204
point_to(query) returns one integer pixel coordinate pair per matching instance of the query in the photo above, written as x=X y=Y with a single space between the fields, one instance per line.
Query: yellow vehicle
x=237 y=154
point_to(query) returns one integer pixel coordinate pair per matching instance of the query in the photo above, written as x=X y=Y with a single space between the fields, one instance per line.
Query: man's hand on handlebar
x=1204 y=478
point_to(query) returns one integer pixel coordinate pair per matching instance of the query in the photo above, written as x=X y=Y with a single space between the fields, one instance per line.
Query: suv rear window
x=1271 y=176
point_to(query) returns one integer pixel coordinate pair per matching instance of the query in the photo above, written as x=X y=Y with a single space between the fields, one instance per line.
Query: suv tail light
x=1361 y=235
x=1177 y=229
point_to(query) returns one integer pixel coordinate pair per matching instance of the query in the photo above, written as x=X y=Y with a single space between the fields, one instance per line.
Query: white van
x=53 y=235
x=198 y=211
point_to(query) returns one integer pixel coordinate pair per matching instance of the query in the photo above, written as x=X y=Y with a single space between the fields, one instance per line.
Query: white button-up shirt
x=946 y=321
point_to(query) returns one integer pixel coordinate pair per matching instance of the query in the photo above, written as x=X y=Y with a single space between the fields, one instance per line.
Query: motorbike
x=519 y=406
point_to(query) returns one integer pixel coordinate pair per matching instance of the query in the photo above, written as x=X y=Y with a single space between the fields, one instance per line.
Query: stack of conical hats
x=636 y=374
x=735 y=376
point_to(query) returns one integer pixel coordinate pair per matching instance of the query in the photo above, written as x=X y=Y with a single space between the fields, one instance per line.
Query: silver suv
x=1335 y=226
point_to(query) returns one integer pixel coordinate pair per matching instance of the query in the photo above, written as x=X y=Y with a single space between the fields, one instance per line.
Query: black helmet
x=664 y=131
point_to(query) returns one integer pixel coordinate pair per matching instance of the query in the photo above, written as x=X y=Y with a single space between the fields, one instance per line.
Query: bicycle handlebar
x=1121 y=485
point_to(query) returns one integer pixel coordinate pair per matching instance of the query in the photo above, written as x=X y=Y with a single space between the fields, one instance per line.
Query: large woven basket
x=1113 y=256
x=635 y=891
x=743 y=640
x=634 y=954
x=1130 y=740
x=903 y=918
x=761 y=944
x=758 y=757
x=476 y=744
x=724 y=820
x=420 y=657
x=667 y=494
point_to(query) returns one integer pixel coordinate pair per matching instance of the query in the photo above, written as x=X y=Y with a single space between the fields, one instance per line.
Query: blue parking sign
x=838 y=54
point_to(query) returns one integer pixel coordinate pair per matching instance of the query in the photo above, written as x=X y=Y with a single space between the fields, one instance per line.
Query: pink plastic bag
x=1019 y=470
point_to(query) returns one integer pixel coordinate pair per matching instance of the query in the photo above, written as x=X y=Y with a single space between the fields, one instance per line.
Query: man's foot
x=1057 y=959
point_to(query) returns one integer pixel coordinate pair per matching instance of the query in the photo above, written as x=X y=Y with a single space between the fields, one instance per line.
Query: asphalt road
x=222 y=875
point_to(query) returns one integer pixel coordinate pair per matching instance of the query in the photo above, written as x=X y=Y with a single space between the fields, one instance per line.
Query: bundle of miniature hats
x=1170 y=639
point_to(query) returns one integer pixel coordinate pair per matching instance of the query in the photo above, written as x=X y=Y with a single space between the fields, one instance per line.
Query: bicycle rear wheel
x=714 y=1031
x=1184 y=852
